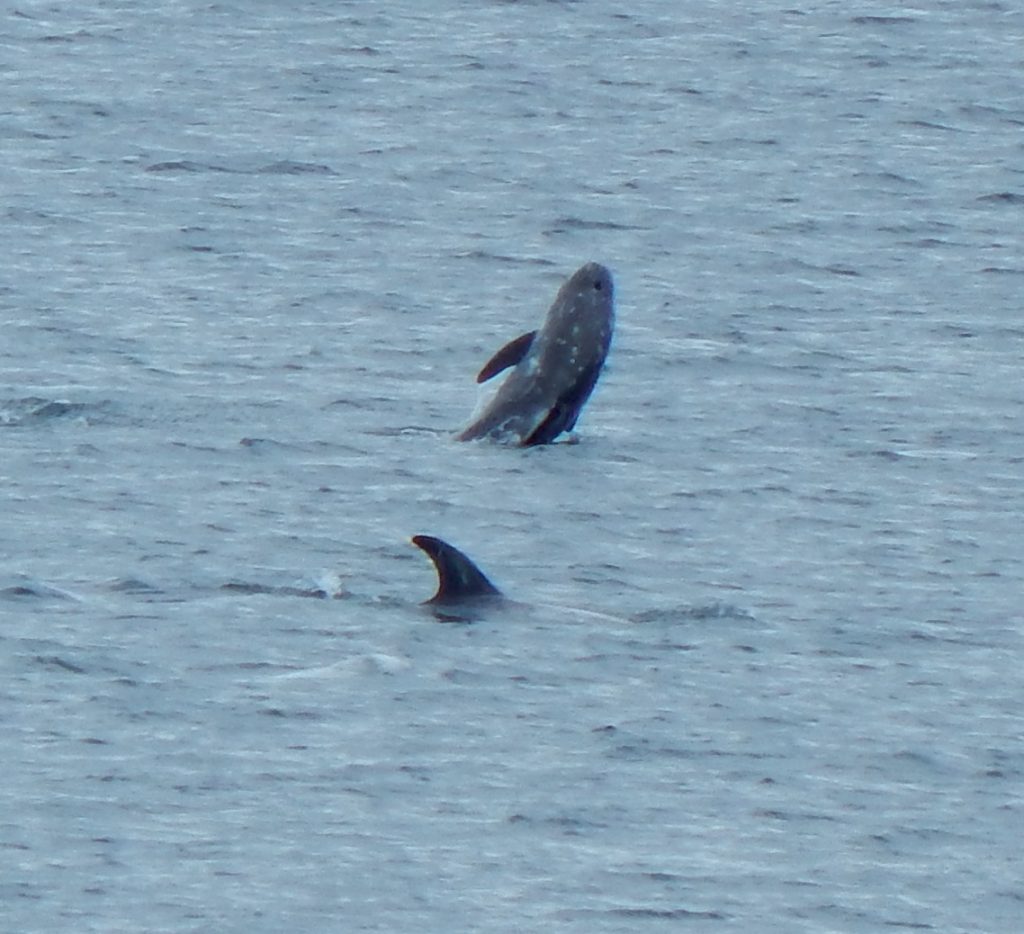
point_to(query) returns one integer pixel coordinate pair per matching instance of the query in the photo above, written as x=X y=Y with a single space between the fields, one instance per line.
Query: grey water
x=763 y=671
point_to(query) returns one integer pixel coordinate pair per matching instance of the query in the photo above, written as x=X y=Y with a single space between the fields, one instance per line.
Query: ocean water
x=763 y=671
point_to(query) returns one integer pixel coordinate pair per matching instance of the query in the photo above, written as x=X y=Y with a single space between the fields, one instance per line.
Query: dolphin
x=462 y=588
x=458 y=578
x=465 y=594
x=555 y=368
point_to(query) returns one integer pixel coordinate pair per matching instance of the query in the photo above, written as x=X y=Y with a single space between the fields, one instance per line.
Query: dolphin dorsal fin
x=509 y=355
x=458 y=578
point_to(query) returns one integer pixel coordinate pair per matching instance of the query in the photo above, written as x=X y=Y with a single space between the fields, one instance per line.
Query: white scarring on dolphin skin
x=556 y=368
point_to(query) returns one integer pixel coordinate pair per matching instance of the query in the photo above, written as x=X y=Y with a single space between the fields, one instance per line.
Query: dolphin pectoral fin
x=509 y=355
x=563 y=414
x=458 y=578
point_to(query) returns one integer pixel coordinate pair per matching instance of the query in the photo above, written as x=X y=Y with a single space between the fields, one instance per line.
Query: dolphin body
x=555 y=368
x=466 y=595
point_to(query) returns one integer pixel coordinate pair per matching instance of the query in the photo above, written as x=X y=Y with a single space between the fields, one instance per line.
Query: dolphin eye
x=597 y=284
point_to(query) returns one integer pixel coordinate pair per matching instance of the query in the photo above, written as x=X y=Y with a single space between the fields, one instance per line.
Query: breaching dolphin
x=556 y=368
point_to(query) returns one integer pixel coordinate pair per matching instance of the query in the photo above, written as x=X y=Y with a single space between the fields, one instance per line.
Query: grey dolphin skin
x=458 y=578
x=465 y=595
x=556 y=368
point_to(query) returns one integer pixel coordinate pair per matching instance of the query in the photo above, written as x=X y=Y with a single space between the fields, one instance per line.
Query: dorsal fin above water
x=509 y=355
x=458 y=577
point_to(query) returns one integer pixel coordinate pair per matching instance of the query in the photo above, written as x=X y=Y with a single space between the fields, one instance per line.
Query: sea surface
x=763 y=667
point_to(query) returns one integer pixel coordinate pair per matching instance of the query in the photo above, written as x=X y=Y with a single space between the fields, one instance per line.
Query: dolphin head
x=588 y=293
